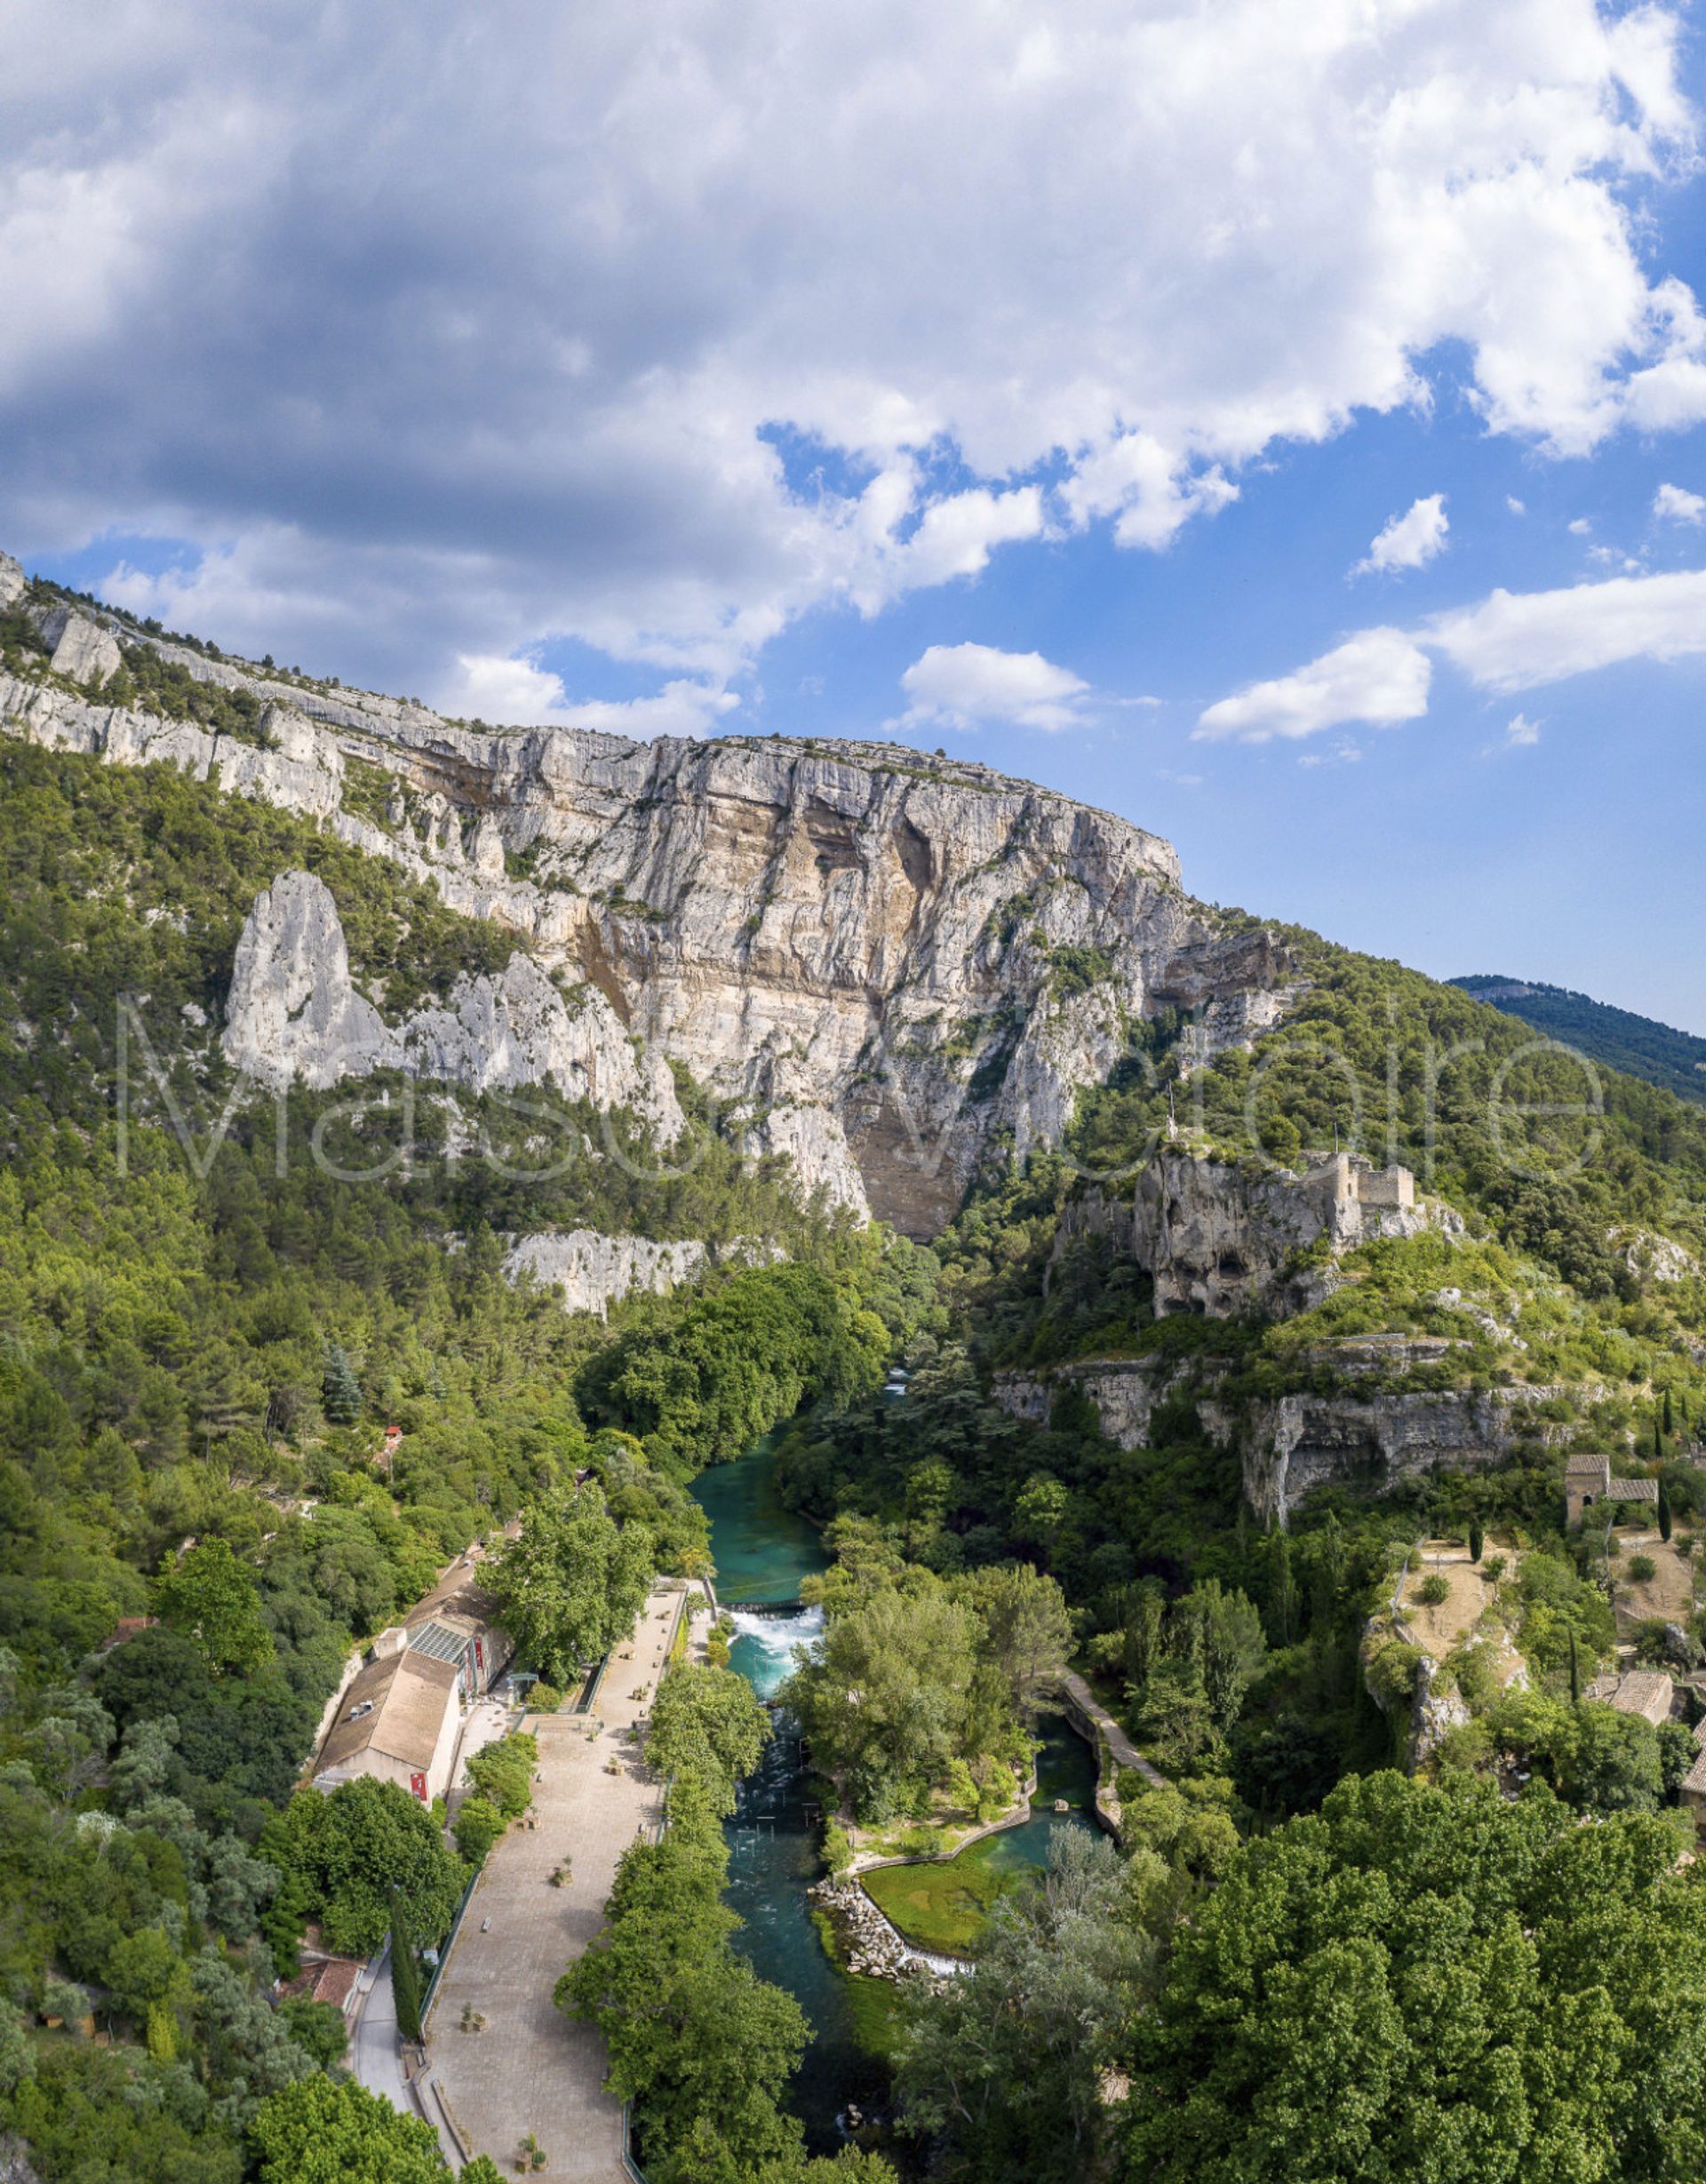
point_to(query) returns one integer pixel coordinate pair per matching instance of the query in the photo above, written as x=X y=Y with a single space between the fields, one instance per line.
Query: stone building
x=1646 y=1692
x=398 y=1723
x=399 y=1718
x=1587 y=1481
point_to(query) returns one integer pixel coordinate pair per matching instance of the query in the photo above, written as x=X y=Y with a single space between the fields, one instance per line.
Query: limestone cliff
x=1220 y=1238
x=1373 y=1442
x=593 y=1272
x=294 y=1012
x=1223 y=1239
x=884 y=963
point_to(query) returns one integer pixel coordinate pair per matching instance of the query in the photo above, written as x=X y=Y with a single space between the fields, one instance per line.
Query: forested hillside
x=206 y=1324
x=213 y=1302
x=1617 y=1037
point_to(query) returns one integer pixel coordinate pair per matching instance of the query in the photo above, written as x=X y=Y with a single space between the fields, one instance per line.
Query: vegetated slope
x=209 y=1311
x=1618 y=1037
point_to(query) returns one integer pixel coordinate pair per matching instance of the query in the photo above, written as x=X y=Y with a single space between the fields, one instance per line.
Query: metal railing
x=630 y=2166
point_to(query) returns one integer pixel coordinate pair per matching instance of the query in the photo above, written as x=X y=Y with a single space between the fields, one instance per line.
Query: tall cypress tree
x=340 y=1393
x=1575 y=1674
x=1664 y=1513
x=1477 y=1539
x=405 y=1972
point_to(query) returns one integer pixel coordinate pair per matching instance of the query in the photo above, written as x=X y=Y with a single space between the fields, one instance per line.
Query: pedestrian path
x=1125 y=1753
x=530 y=2070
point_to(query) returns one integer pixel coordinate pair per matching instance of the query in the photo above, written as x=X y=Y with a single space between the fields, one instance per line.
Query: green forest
x=1304 y=1953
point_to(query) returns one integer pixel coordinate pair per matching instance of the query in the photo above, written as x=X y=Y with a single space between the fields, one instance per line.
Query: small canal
x=763 y=1553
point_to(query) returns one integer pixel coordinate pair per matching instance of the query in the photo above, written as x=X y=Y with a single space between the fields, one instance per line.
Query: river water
x=764 y=1552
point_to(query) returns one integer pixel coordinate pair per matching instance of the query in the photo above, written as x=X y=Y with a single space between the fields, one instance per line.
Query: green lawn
x=942 y=1907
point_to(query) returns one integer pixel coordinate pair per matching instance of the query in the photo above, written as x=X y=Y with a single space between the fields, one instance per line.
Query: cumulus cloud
x=1379 y=676
x=1521 y=733
x=1675 y=504
x=970 y=685
x=1515 y=640
x=660 y=327
x=1411 y=539
x=1508 y=641
x=519 y=693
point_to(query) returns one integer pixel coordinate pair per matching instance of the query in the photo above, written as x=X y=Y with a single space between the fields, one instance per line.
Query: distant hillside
x=1676 y=1060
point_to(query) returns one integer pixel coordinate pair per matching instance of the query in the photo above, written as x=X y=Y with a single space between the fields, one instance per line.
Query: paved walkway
x=1125 y=1753
x=532 y=2069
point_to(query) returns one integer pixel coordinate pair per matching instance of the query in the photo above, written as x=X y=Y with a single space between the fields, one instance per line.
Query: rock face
x=1652 y=1257
x=1292 y=1444
x=1295 y=1443
x=294 y=1012
x=594 y=1271
x=1223 y=1239
x=13 y=582
x=817 y=1144
x=886 y=964
x=1123 y=1391
x=81 y=650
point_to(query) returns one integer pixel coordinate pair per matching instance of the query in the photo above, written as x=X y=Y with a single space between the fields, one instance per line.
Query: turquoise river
x=763 y=1553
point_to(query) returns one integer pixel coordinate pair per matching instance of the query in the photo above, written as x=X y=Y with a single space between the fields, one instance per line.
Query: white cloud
x=1516 y=507
x=658 y=327
x=1379 y=676
x=1521 y=733
x=1510 y=640
x=1578 y=527
x=1515 y=640
x=518 y=693
x=965 y=685
x=1676 y=505
x=1409 y=540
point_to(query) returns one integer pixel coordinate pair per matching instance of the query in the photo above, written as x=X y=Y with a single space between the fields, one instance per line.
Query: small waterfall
x=764 y=1644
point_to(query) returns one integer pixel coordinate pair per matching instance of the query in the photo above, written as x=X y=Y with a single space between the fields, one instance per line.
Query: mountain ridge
x=1642 y=1046
x=878 y=966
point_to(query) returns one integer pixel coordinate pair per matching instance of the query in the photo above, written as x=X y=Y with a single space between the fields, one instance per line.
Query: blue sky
x=1033 y=384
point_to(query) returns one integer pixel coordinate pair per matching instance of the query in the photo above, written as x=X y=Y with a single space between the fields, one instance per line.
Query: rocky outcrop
x=815 y=1142
x=1295 y=1443
x=886 y=964
x=1436 y=1709
x=79 y=649
x=594 y=1271
x=13 y=582
x=1652 y=1257
x=1123 y=1392
x=294 y=1012
x=310 y=781
x=1223 y=1239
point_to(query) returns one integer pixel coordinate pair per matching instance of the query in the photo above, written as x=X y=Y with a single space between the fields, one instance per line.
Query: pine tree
x=1477 y=1539
x=340 y=1393
x=405 y=1973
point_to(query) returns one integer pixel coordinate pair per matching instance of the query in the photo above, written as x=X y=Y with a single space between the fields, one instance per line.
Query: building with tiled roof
x=1588 y=1479
x=1645 y=1692
x=398 y=1723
